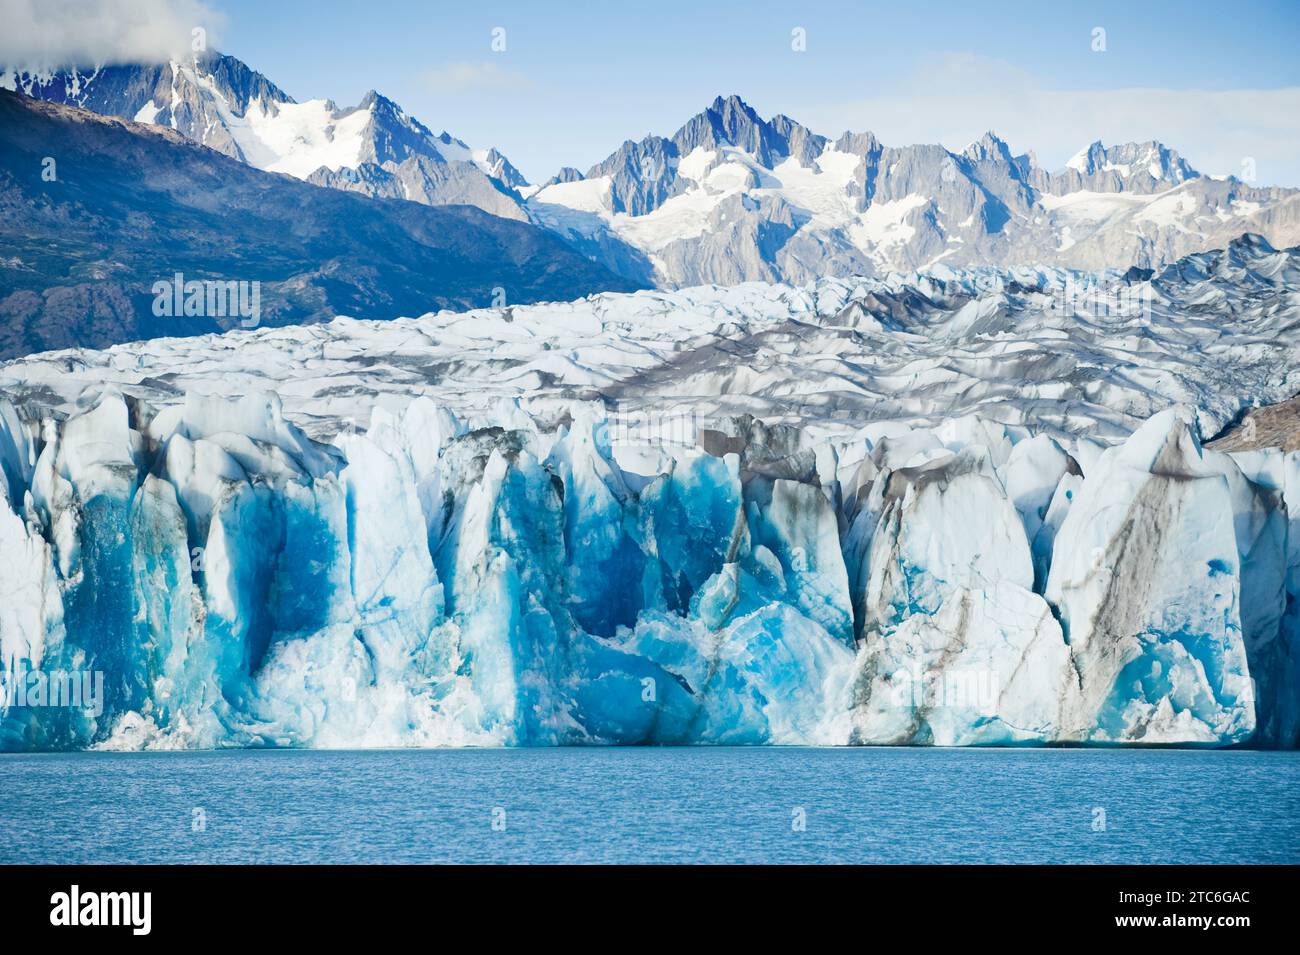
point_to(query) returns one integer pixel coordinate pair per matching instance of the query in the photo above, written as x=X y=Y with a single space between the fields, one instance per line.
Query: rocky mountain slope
x=373 y=148
x=130 y=205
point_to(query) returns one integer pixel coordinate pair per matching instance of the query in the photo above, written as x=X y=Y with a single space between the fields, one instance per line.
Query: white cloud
x=46 y=34
x=474 y=77
x=956 y=98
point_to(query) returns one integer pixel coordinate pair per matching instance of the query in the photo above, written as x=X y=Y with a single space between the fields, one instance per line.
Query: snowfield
x=953 y=508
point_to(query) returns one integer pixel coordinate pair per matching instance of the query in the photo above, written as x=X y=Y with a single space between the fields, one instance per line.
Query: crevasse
x=433 y=583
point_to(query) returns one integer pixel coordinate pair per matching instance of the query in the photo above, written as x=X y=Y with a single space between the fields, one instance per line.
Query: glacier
x=306 y=537
x=428 y=583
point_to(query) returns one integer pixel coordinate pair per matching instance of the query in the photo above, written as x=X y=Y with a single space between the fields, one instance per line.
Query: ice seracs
x=471 y=583
x=953 y=635
x=1147 y=573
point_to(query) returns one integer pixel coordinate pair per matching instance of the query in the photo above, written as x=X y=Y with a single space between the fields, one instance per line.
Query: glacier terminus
x=948 y=508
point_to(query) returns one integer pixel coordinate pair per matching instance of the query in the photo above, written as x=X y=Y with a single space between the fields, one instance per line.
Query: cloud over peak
x=47 y=34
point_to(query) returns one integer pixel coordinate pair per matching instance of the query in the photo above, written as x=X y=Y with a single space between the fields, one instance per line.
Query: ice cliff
x=515 y=580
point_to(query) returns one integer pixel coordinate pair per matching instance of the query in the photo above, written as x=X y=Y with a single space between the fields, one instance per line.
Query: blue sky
x=1219 y=82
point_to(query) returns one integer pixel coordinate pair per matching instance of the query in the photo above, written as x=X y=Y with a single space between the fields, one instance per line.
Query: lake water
x=653 y=805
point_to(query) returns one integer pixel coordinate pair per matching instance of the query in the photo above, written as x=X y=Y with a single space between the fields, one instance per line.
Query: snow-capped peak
x=218 y=101
x=1129 y=162
x=732 y=197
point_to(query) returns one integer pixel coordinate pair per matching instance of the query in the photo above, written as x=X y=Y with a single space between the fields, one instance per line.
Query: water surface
x=699 y=804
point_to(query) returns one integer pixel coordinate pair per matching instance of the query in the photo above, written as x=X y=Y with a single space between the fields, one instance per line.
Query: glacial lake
x=768 y=805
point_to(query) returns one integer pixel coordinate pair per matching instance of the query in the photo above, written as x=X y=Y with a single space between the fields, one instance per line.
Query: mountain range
x=129 y=205
x=730 y=196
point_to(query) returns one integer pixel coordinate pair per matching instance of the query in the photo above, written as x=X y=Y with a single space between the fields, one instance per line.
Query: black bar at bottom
x=216 y=904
